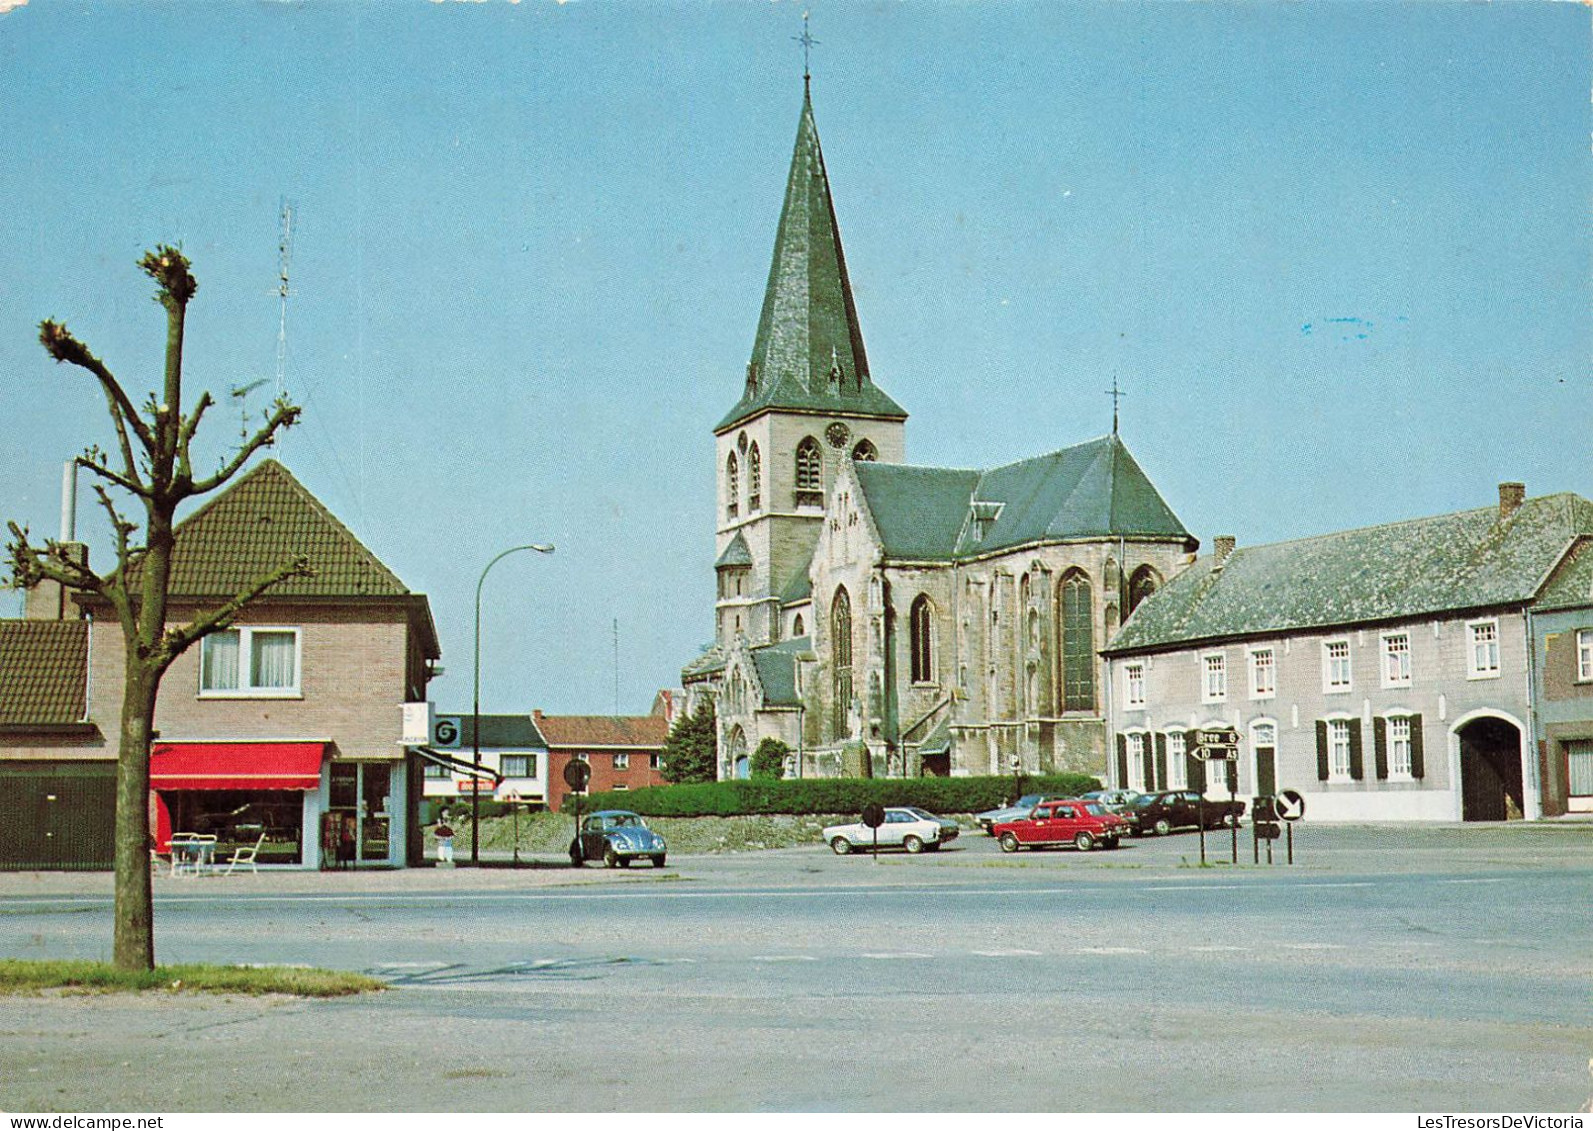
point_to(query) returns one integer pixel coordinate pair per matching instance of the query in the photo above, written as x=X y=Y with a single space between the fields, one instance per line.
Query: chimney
x=1222 y=545
x=1511 y=496
x=48 y=600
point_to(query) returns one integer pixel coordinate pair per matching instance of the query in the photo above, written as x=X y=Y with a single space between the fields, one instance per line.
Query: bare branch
x=31 y=564
x=284 y=414
x=170 y=268
x=59 y=343
x=185 y=436
x=177 y=640
x=93 y=460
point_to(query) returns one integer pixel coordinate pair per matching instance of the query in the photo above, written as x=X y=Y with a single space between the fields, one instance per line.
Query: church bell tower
x=807 y=404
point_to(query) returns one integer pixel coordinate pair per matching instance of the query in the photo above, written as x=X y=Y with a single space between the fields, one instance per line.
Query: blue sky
x=1337 y=254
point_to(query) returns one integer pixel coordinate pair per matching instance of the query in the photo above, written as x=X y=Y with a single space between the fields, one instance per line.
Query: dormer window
x=981 y=517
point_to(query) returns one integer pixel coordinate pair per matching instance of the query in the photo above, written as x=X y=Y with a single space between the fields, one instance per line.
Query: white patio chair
x=244 y=856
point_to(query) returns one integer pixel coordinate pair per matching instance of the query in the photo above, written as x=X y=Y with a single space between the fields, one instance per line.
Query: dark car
x=1161 y=813
x=616 y=837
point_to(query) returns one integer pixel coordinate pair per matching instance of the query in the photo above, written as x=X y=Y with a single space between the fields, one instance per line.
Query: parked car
x=1084 y=824
x=616 y=837
x=1116 y=800
x=1022 y=807
x=1161 y=813
x=905 y=827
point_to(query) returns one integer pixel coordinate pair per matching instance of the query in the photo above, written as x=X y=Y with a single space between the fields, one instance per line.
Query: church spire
x=808 y=330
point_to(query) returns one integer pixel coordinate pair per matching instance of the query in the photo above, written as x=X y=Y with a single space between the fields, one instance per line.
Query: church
x=887 y=619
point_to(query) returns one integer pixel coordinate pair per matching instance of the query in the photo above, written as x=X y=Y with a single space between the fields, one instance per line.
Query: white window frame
x=1329 y=685
x=1214 y=678
x=1399 y=766
x=1584 y=655
x=1474 y=630
x=1135 y=746
x=1177 y=764
x=622 y=761
x=1388 y=678
x=1254 y=656
x=245 y=688
x=1574 y=775
x=1134 y=685
x=530 y=764
x=1337 y=771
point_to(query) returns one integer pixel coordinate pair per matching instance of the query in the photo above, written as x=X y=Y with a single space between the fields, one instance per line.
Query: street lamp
x=475 y=707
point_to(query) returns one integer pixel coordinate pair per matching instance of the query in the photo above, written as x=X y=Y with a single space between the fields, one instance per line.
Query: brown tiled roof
x=264 y=519
x=602 y=730
x=43 y=664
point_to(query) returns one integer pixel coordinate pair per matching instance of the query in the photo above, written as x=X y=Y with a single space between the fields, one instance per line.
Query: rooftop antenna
x=240 y=394
x=1116 y=394
x=284 y=257
x=808 y=43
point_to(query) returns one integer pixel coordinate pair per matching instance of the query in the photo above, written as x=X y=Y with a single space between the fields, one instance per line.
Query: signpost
x=874 y=817
x=1220 y=745
x=576 y=774
x=1291 y=807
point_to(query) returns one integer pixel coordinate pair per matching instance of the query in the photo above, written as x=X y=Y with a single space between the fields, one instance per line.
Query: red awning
x=236 y=765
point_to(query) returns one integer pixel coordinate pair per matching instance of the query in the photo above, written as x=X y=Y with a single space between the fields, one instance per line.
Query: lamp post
x=475 y=703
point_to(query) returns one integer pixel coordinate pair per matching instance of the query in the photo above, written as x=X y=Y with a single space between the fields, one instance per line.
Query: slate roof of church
x=1090 y=490
x=776 y=664
x=43 y=665
x=808 y=330
x=265 y=518
x=736 y=554
x=1448 y=563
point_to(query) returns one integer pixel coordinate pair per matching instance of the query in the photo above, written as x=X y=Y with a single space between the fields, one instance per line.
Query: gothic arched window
x=809 y=473
x=798 y=629
x=754 y=479
x=1078 y=643
x=841 y=667
x=919 y=641
x=865 y=452
x=1144 y=581
x=732 y=487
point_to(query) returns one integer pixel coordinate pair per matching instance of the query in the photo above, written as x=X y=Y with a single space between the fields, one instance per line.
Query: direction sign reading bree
x=577 y=774
x=1223 y=736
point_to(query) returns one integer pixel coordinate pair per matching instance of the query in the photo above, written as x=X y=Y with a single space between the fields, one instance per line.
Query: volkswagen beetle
x=616 y=837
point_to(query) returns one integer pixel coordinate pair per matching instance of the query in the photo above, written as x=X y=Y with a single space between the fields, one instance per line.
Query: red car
x=1084 y=824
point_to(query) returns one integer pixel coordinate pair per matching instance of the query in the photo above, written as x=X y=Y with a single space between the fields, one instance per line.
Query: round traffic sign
x=873 y=814
x=1291 y=806
x=577 y=774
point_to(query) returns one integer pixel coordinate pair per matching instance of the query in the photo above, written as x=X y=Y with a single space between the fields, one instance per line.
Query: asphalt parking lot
x=1441 y=968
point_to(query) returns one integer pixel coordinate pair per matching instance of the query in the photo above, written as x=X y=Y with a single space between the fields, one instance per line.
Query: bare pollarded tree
x=151 y=464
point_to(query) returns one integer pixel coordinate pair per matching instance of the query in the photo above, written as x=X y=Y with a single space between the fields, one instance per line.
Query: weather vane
x=1116 y=394
x=808 y=43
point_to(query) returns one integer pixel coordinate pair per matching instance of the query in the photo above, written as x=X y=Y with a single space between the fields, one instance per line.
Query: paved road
x=1425 y=970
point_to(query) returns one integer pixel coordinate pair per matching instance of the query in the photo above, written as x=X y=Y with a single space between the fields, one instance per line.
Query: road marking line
x=898 y=954
x=1494 y=881
x=1014 y=953
x=783 y=958
x=1198 y=887
x=1312 y=946
x=1112 y=950
x=1217 y=949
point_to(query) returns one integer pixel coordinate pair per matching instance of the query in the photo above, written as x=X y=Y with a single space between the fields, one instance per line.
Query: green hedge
x=833 y=795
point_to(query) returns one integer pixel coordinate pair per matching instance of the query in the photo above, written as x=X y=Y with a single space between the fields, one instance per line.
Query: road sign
x=577 y=774
x=1291 y=806
x=1267 y=830
x=1217 y=736
x=1216 y=754
x=445 y=733
x=873 y=814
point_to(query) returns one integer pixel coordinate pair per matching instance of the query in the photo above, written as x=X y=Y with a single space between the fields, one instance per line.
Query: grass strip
x=23 y=976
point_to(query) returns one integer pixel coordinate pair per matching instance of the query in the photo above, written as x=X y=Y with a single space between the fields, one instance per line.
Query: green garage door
x=58 y=815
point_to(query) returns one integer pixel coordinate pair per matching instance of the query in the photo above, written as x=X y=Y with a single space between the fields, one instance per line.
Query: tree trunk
x=134 y=945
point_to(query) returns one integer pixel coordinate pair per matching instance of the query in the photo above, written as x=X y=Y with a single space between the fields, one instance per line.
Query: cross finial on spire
x=808 y=43
x=1116 y=394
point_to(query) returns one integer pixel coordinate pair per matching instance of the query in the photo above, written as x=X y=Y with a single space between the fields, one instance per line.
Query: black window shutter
x=1122 y=761
x=1357 y=764
x=1417 y=769
x=1380 y=747
x=1161 y=761
x=1321 y=750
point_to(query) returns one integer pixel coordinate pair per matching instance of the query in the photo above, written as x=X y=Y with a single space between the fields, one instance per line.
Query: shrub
x=768 y=760
x=834 y=795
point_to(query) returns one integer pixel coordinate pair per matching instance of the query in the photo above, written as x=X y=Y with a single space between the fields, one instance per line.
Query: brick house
x=287 y=726
x=1438 y=669
x=624 y=751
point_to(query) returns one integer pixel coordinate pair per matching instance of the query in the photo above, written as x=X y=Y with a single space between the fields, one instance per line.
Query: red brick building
x=624 y=751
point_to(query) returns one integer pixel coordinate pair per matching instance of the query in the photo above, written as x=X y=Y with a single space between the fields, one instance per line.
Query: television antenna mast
x=240 y=394
x=284 y=258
